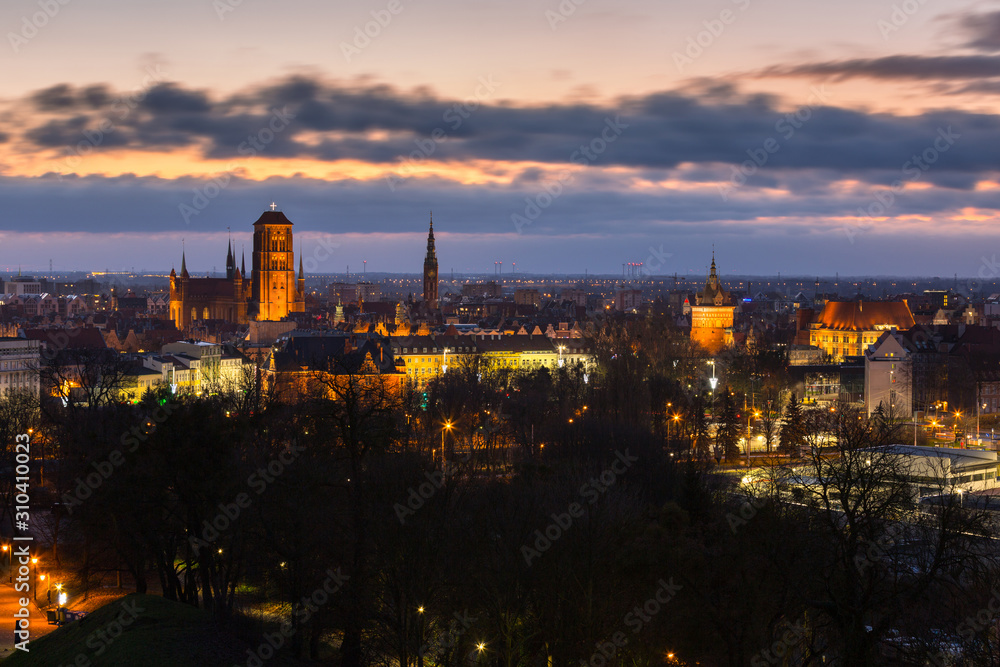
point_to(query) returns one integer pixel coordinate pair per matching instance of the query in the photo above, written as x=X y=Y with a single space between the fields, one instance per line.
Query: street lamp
x=34 y=561
x=754 y=415
x=420 y=637
x=562 y=348
x=713 y=381
x=447 y=427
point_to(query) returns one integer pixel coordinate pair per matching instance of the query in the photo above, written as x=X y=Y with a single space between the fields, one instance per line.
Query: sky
x=560 y=136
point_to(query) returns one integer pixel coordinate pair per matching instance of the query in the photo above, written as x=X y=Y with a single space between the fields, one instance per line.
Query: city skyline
x=855 y=130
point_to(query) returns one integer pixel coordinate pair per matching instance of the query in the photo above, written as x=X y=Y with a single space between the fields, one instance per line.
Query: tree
x=793 y=433
x=770 y=416
x=699 y=426
x=873 y=554
x=728 y=434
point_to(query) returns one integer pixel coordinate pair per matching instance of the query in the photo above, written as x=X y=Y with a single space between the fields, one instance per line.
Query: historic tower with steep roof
x=712 y=314
x=431 y=271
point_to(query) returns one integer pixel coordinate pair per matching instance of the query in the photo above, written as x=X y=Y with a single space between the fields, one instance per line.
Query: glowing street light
x=447 y=427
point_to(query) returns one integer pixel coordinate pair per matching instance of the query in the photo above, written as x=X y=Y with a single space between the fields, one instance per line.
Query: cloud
x=906 y=67
x=382 y=125
x=982 y=30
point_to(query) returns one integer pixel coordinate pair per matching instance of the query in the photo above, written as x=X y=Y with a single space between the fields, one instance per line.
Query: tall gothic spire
x=243 y=264
x=431 y=271
x=184 y=268
x=230 y=261
x=431 y=253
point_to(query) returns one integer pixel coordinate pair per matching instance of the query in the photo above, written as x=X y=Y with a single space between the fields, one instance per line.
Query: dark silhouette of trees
x=728 y=434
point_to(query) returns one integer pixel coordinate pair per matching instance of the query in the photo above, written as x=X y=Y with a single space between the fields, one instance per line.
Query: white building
x=21 y=285
x=888 y=375
x=196 y=367
x=19 y=361
x=935 y=470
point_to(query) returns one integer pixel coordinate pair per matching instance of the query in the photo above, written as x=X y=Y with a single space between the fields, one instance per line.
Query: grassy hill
x=144 y=631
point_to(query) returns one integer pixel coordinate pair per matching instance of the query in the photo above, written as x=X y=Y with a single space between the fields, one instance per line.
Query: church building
x=271 y=291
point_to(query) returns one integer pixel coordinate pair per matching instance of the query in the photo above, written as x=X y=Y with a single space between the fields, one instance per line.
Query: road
x=8 y=606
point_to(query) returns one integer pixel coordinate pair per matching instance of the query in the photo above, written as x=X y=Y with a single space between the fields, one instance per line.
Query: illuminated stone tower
x=712 y=315
x=275 y=291
x=431 y=271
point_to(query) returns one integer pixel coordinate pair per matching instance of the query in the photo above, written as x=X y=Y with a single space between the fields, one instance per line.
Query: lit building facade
x=712 y=315
x=19 y=362
x=847 y=328
x=271 y=292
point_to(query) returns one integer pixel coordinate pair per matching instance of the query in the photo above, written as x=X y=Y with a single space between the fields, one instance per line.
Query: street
x=8 y=606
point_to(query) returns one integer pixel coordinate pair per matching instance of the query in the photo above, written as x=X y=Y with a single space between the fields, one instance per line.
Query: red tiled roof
x=865 y=315
x=210 y=287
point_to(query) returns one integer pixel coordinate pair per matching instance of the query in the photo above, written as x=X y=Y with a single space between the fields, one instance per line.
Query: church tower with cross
x=275 y=291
